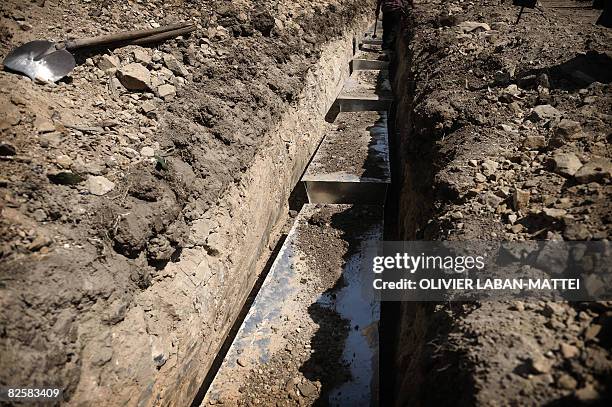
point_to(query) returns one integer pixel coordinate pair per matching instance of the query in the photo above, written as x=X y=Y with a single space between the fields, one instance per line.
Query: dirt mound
x=508 y=119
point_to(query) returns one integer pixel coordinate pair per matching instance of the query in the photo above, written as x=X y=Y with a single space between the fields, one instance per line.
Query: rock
x=586 y=394
x=567 y=129
x=39 y=215
x=307 y=388
x=175 y=66
x=555 y=213
x=41 y=240
x=592 y=331
x=134 y=77
x=567 y=382
x=158 y=352
x=566 y=163
x=99 y=185
x=166 y=91
x=534 y=142
x=598 y=169
x=544 y=113
x=488 y=167
x=471 y=26
x=568 y=351
x=108 y=62
x=540 y=365
x=141 y=55
x=50 y=139
x=520 y=199
x=43 y=124
x=63 y=161
x=576 y=231
x=147 y=107
x=242 y=362
x=7 y=149
x=147 y=152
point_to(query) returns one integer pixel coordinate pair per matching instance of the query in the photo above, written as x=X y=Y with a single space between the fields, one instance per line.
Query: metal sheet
x=268 y=328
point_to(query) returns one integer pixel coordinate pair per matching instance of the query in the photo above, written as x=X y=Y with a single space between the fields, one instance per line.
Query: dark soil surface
x=497 y=110
x=99 y=184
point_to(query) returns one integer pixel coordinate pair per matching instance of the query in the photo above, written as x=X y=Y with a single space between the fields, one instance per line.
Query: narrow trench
x=391 y=313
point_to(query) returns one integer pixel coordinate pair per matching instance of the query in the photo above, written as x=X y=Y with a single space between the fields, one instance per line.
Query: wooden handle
x=162 y=36
x=123 y=36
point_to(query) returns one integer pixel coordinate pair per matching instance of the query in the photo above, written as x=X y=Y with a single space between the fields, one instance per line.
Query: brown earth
x=100 y=185
x=484 y=116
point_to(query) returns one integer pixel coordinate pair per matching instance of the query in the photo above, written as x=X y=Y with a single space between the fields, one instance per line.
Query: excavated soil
x=488 y=112
x=99 y=184
x=347 y=153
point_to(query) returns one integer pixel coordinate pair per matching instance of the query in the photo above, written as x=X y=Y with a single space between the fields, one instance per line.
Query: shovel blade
x=40 y=60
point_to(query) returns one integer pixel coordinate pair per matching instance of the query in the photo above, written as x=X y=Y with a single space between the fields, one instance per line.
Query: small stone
x=488 y=167
x=541 y=365
x=566 y=163
x=307 y=389
x=99 y=185
x=41 y=240
x=592 y=331
x=512 y=218
x=555 y=213
x=102 y=356
x=567 y=129
x=473 y=163
x=520 y=199
x=175 y=66
x=567 y=382
x=147 y=107
x=147 y=152
x=544 y=113
x=43 y=124
x=480 y=178
x=568 y=351
x=596 y=170
x=108 y=62
x=166 y=91
x=576 y=231
x=63 y=161
x=587 y=394
x=518 y=228
x=134 y=77
x=242 y=362
x=39 y=215
x=142 y=56
x=471 y=26
x=534 y=142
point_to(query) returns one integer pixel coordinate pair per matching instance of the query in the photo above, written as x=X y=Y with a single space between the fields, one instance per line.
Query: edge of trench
x=219 y=273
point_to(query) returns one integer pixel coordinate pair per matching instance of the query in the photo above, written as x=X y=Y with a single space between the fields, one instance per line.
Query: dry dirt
x=490 y=116
x=100 y=184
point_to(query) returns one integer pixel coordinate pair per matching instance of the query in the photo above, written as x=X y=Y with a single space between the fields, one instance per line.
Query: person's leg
x=391 y=26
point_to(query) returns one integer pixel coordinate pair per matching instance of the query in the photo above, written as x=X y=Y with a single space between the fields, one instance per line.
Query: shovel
x=50 y=61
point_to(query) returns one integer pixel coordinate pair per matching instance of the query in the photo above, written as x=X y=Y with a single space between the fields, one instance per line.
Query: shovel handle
x=122 y=36
x=161 y=36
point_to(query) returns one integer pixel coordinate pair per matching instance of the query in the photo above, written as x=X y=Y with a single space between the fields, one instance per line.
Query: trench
x=386 y=201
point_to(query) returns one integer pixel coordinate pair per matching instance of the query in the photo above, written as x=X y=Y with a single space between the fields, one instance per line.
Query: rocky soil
x=512 y=127
x=103 y=172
